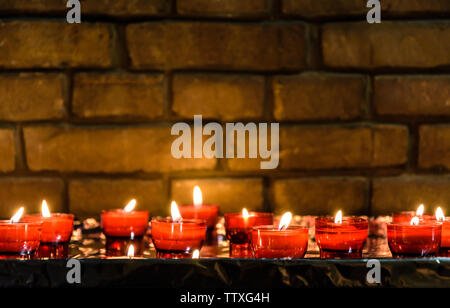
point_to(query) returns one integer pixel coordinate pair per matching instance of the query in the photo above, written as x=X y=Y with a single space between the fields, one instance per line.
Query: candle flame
x=130 y=253
x=414 y=221
x=285 y=221
x=45 y=210
x=130 y=206
x=16 y=217
x=198 y=198
x=338 y=217
x=176 y=216
x=440 y=214
x=196 y=254
x=420 y=210
x=245 y=213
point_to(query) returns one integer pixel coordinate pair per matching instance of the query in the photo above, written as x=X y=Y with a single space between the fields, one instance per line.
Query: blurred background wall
x=86 y=109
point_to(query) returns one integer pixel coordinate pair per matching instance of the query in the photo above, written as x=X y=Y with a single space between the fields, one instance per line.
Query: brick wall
x=86 y=109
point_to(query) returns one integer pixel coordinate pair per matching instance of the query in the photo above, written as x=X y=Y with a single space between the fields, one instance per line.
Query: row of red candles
x=410 y=233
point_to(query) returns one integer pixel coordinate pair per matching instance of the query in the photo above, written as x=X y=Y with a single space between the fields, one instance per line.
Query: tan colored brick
x=406 y=193
x=325 y=147
x=115 y=95
x=318 y=96
x=327 y=8
x=26 y=97
x=109 y=150
x=389 y=44
x=116 y=8
x=7 y=150
x=29 y=192
x=412 y=95
x=228 y=8
x=33 y=44
x=224 y=97
x=230 y=194
x=320 y=196
x=434 y=146
x=88 y=197
x=207 y=45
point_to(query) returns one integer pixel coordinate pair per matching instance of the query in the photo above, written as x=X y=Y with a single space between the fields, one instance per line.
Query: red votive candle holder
x=118 y=223
x=269 y=242
x=177 y=239
x=19 y=238
x=419 y=240
x=55 y=229
x=239 y=228
x=204 y=212
x=53 y=251
x=341 y=240
x=406 y=216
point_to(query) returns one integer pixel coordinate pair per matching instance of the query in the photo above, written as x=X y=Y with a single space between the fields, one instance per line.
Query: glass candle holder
x=177 y=239
x=445 y=237
x=269 y=242
x=208 y=213
x=341 y=240
x=19 y=238
x=55 y=229
x=238 y=229
x=420 y=240
x=118 y=223
x=406 y=216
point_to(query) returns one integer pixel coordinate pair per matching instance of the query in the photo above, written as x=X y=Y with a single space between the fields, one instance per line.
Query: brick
x=29 y=192
x=207 y=45
x=118 y=95
x=108 y=150
x=229 y=193
x=327 y=147
x=225 y=9
x=319 y=196
x=7 y=150
x=385 y=45
x=88 y=197
x=407 y=192
x=434 y=146
x=412 y=95
x=214 y=96
x=318 y=96
x=115 y=8
x=27 y=97
x=51 y=44
x=326 y=8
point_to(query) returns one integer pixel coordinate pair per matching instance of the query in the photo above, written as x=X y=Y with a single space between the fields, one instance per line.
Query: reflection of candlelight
x=414 y=221
x=130 y=253
x=45 y=210
x=196 y=254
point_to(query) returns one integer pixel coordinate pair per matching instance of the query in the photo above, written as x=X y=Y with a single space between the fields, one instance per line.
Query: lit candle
x=177 y=237
x=125 y=222
x=418 y=237
x=19 y=238
x=284 y=241
x=341 y=237
x=199 y=210
x=445 y=235
x=239 y=227
x=405 y=216
x=56 y=227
